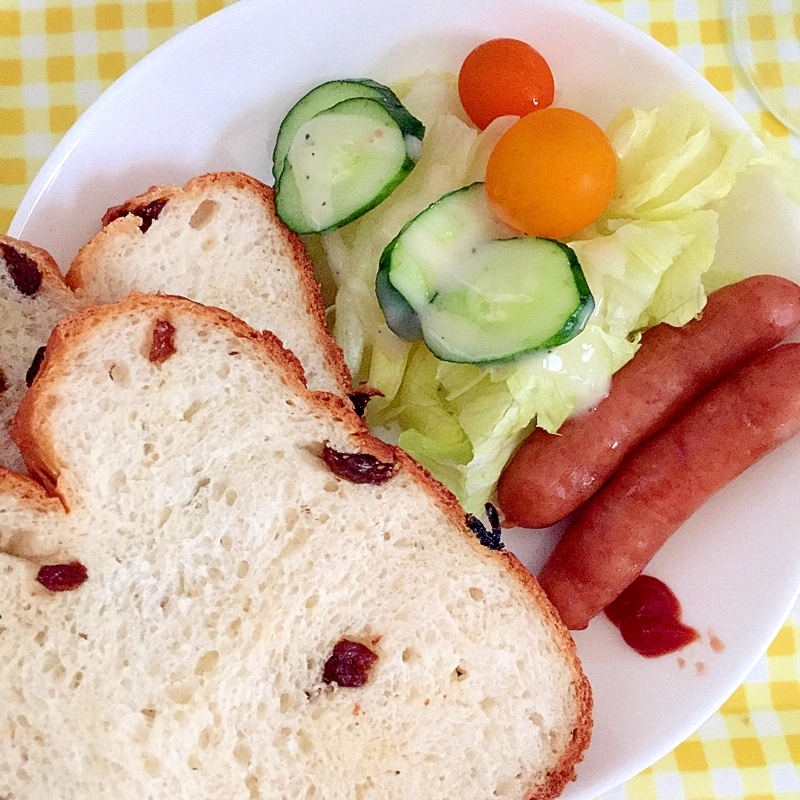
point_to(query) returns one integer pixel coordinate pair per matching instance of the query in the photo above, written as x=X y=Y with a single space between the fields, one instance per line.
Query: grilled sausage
x=551 y=475
x=668 y=478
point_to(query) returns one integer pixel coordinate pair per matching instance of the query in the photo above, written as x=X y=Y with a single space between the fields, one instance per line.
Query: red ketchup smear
x=648 y=616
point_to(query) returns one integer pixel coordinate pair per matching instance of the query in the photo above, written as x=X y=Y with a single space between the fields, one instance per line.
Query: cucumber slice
x=328 y=95
x=341 y=163
x=458 y=278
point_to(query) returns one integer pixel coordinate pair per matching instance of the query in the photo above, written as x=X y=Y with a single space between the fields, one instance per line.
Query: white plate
x=212 y=98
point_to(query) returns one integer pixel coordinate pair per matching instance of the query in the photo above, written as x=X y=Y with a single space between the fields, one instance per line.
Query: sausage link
x=668 y=478
x=551 y=475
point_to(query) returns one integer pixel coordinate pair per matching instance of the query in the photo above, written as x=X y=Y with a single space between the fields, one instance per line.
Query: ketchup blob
x=648 y=616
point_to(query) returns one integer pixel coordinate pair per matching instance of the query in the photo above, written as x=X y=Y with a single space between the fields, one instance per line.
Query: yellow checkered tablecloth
x=57 y=57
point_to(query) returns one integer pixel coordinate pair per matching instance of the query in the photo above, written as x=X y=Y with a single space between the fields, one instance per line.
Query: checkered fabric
x=56 y=57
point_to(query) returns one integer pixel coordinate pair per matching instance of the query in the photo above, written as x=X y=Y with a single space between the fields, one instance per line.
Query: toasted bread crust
x=29 y=492
x=125 y=222
x=30 y=430
x=564 y=772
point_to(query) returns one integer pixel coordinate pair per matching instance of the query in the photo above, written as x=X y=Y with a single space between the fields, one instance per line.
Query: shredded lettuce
x=649 y=259
x=673 y=160
x=649 y=271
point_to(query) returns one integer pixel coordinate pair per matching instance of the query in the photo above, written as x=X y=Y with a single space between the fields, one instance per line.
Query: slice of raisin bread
x=217 y=241
x=216 y=609
x=33 y=298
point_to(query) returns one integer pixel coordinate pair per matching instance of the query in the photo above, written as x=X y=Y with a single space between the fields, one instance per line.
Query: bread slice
x=33 y=298
x=225 y=563
x=217 y=241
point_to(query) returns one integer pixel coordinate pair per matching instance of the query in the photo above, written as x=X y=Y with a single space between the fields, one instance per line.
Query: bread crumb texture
x=225 y=562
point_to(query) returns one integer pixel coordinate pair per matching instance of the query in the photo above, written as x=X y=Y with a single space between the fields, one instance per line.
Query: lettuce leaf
x=672 y=160
x=649 y=271
x=681 y=292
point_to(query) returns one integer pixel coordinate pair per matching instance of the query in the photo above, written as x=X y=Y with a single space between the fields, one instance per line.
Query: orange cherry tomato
x=551 y=174
x=504 y=76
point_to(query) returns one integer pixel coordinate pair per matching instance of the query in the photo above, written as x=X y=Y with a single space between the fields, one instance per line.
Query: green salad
x=650 y=258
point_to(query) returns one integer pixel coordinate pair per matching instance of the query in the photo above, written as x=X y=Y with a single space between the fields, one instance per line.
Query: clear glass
x=766 y=44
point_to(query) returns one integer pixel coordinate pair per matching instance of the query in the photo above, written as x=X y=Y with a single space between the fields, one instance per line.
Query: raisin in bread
x=213 y=610
x=217 y=241
x=33 y=298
